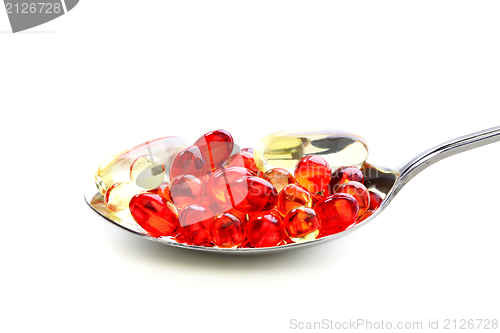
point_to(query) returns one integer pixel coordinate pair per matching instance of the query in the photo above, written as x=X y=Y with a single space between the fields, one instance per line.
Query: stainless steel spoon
x=387 y=181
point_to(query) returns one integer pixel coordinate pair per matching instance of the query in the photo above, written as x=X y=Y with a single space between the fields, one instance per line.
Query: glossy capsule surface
x=156 y=215
x=228 y=231
x=186 y=190
x=359 y=192
x=216 y=147
x=265 y=229
x=293 y=196
x=285 y=149
x=189 y=161
x=301 y=224
x=337 y=212
x=117 y=168
x=251 y=194
x=279 y=177
x=118 y=197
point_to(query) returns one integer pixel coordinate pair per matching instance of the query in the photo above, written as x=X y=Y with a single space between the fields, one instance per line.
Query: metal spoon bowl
x=386 y=181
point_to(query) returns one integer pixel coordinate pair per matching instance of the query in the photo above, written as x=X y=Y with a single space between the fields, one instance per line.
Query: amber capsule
x=218 y=185
x=301 y=224
x=375 y=200
x=337 y=212
x=117 y=168
x=366 y=215
x=313 y=173
x=157 y=216
x=228 y=231
x=345 y=174
x=243 y=159
x=195 y=222
x=216 y=146
x=285 y=149
x=186 y=190
x=279 y=177
x=293 y=196
x=251 y=194
x=359 y=192
x=265 y=229
x=118 y=197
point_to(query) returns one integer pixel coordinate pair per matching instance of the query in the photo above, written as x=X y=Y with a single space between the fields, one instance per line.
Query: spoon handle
x=444 y=150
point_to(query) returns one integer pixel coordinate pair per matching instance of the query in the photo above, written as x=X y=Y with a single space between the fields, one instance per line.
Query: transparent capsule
x=118 y=197
x=147 y=172
x=117 y=168
x=285 y=149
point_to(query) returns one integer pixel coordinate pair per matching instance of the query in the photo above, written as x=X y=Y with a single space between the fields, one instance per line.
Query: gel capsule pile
x=292 y=188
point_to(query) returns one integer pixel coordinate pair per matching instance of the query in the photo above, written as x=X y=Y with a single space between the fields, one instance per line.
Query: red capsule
x=301 y=224
x=363 y=217
x=228 y=231
x=238 y=214
x=375 y=200
x=252 y=194
x=345 y=174
x=195 y=223
x=211 y=205
x=293 y=196
x=216 y=147
x=189 y=161
x=186 y=190
x=157 y=216
x=243 y=159
x=337 y=212
x=265 y=229
x=359 y=192
x=279 y=178
x=218 y=185
x=313 y=173
x=250 y=150
x=163 y=191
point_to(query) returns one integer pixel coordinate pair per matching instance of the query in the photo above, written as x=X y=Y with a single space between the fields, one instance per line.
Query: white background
x=111 y=74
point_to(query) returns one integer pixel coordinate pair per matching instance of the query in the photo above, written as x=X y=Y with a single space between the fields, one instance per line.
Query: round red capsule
x=186 y=190
x=195 y=222
x=243 y=159
x=313 y=173
x=189 y=161
x=216 y=147
x=265 y=229
x=293 y=196
x=218 y=184
x=157 y=216
x=337 y=212
x=252 y=194
x=375 y=200
x=228 y=231
x=359 y=192
x=279 y=178
x=345 y=174
x=301 y=224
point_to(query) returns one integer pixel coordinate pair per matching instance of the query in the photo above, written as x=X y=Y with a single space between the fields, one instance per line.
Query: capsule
x=285 y=149
x=117 y=168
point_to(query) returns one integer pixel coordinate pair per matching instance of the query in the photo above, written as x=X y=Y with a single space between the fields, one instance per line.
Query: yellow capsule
x=118 y=197
x=147 y=172
x=117 y=168
x=285 y=149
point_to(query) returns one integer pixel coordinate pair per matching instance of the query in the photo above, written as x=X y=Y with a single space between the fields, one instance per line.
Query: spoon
x=384 y=180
